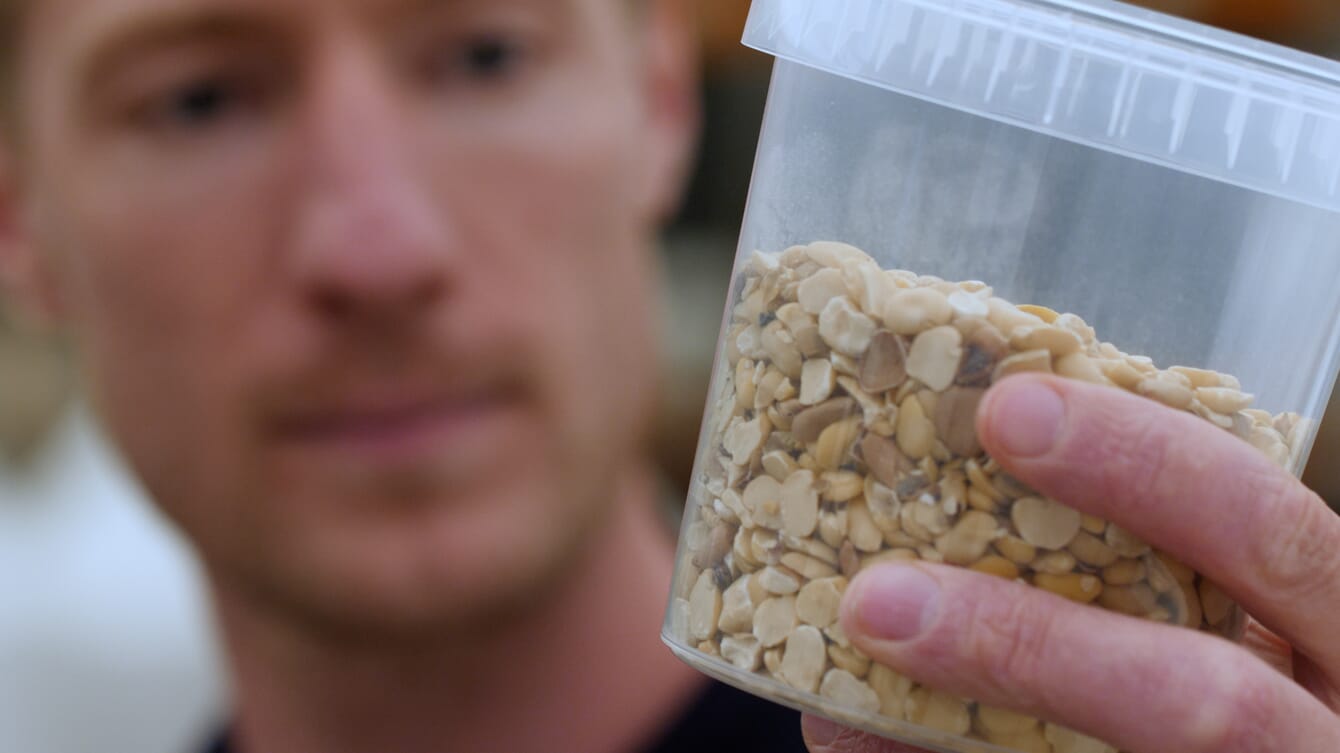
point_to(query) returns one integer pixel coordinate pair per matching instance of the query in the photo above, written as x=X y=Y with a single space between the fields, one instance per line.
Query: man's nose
x=369 y=242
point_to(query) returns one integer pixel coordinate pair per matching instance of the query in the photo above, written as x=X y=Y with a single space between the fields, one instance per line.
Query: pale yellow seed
x=1016 y=550
x=1093 y=524
x=997 y=566
x=1075 y=586
x=1124 y=572
x=1042 y=312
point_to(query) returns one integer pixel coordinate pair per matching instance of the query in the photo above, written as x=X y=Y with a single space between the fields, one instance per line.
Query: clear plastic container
x=1173 y=189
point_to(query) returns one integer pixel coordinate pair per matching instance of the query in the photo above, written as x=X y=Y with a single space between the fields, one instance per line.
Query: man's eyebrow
x=168 y=27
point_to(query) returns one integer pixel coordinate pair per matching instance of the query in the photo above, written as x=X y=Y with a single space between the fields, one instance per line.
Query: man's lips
x=403 y=431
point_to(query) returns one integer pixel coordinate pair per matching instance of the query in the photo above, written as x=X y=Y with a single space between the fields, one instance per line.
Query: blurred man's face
x=362 y=285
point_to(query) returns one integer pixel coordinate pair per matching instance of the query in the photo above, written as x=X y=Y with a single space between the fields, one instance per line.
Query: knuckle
x=1300 y=554
x=1008 y=643
x=1232 y=713
x=1133 y=452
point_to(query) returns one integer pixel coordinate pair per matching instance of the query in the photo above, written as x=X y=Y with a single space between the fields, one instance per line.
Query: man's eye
x=195 y=105
x=483 y=58
x=489 y=58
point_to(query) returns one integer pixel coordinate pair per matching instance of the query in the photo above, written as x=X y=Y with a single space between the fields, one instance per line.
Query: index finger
x=1184 y=486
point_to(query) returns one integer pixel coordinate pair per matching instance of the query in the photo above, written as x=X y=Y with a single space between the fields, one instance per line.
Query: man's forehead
x=122 y=22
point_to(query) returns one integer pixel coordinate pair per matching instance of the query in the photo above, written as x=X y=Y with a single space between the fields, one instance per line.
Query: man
x=364 y=296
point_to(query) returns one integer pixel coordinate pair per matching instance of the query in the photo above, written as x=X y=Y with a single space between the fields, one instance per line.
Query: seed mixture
x=843 y=435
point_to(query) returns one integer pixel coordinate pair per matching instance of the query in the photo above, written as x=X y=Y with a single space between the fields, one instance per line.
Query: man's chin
x=421 y=574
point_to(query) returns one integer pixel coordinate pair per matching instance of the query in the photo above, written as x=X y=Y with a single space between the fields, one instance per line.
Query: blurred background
x=105 y=637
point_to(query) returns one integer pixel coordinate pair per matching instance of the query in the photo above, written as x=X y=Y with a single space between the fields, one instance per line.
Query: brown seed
x=955 y=420
x=884 y=365
x=997 y=566
x=809 y=424
x=884 y=460
x=1180 y=572
x=983 y=350
x=1074 y=586
x=849 y=561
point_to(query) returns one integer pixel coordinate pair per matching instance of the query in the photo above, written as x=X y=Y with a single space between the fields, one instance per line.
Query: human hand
x=1185 y=487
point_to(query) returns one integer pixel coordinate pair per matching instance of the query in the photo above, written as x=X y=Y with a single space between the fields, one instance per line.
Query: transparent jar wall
x=1162 y=263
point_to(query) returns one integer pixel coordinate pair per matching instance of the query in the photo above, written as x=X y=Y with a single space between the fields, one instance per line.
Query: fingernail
x=818 y=730
x=896 y=602
x=1026 y=417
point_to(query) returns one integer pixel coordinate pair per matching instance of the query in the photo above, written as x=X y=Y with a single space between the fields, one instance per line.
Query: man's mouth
x=404 y=432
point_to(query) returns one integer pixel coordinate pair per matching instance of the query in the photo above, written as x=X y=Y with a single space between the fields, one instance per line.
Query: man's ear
x=24 y=278
x=670 y=55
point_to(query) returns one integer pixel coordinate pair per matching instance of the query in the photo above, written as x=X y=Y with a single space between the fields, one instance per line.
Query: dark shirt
x=722 y=720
